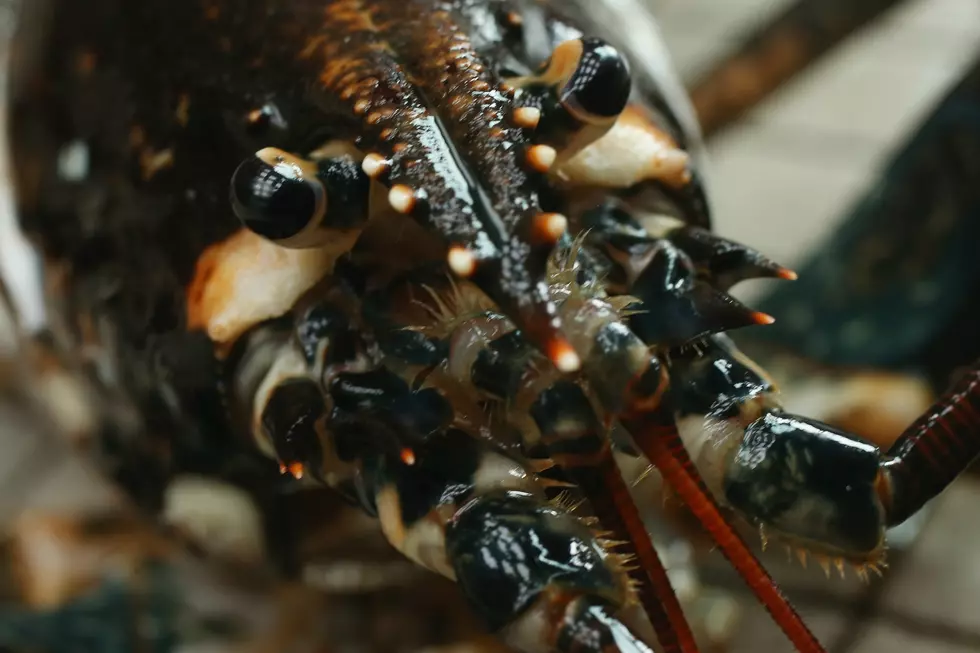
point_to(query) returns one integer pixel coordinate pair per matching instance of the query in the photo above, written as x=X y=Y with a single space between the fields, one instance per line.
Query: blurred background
x=787 y=174
x=843 y=142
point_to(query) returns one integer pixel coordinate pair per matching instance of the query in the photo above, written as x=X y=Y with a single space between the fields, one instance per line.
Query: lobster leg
x=662 y=444
x=488 y=357
x=684 y=308
x=934 y=450
x=444 y=499
x=585 y=456
x=636 y=392
x=534 y=573
x=825 y=491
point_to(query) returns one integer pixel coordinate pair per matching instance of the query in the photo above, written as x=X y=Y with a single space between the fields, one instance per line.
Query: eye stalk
x=577 y=96
x=279 y=196
x=596 y=83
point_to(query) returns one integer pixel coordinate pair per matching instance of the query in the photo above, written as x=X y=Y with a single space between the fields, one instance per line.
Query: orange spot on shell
x=563 y=356
x=86 y=63
x=408 y=456
x=296 y=469
x=762 y=318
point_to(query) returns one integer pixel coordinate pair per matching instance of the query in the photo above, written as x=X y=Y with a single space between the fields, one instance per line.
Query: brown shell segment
x=359 y=69
x=430 y=107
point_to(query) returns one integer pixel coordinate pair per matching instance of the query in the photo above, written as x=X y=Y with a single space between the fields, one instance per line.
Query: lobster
x=450 y=259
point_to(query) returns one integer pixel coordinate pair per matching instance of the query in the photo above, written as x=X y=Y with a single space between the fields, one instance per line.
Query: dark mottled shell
x=167 y=98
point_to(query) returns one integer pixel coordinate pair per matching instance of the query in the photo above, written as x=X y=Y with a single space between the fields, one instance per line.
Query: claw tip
x=762 y=318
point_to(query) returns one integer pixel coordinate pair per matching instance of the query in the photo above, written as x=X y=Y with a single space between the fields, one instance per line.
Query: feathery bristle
x=564 y=501
x=608 y=544
x=824 y=564
x=622 y=562
x=621 y=304
x=801 y=556
x=650 y=469
x=453 y=307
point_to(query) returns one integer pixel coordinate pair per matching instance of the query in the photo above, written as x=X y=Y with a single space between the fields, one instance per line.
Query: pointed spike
x=408 y=456
x=724 y=261
x=839 y=563
x=563 y=356
x=789 y=552
x=527 y=117
x=402 y=198
x=612 y=544
x=538 y=465
x=548 y=228
x=681 y=308
x=461 y=261
x=375 y=166
x=722 y=312
x=541 y=157
x=763 y=537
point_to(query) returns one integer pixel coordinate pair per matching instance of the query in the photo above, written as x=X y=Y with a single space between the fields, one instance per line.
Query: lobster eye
x=278 y=196
x=598 y=87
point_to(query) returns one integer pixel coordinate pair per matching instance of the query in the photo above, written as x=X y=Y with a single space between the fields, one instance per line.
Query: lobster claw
x=809 y=483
